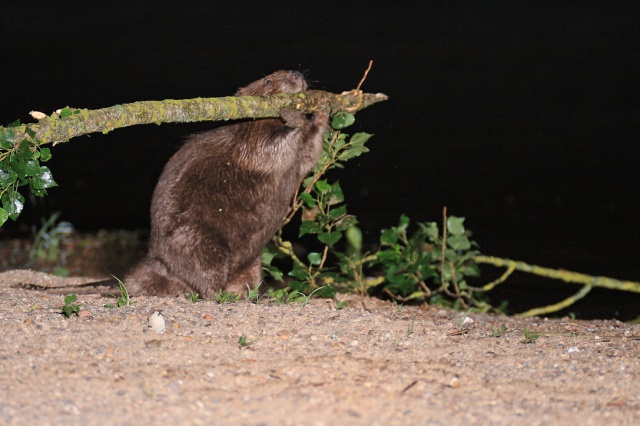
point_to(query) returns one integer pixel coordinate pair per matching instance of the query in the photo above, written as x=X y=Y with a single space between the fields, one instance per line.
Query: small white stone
x=573 y=349
x=156 y=321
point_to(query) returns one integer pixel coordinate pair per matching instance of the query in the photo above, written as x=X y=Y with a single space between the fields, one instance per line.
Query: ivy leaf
x=298 y=272
x=44 y=179
x=31 y=168
x=267 y=256
x=7 y=177
x=275 y=273
x=13 y=204
x=23 y=152
x=330 y=238
x=45 y=154
x=342 y=120
x=6 y=138
x=4 y=215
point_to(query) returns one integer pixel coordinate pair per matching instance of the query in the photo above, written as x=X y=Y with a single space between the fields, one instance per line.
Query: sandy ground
x=372 y=363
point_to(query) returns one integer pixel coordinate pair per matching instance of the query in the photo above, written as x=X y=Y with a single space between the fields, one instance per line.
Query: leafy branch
x=430 y=265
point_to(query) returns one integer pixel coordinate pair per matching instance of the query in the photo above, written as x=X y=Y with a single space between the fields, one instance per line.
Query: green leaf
x=470 y=271
x=7 y=177
x=275 y=273
x=337 y=196
x=314 y=258
x=322 y=186
x=309 y=227
x=455 y=225
x=308 y=199
x=342 y=120
x=330 y=238
x=340 y=141
x=267 y=257
x=352 y=152
x=66 y=112
x=327 y=292
x=299 y=273
x=347 y=222
x=403 y=225
x=13 y=204
x=44 y=179
x=338 y=212
x=353 y=235
x=4 y=215
x=430 y=230
x=388 y=237
x=359 y=139
x=7 y=138
x=459 y=242
x=45 y=154
x=23 y=152
x=31 y=168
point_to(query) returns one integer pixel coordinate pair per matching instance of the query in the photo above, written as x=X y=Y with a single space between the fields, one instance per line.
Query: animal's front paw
x=321 y=118
x=292 y=119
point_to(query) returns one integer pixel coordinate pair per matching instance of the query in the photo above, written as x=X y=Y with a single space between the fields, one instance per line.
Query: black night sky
x=521 y=116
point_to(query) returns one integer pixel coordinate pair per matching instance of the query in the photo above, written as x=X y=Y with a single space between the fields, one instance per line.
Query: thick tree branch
x=54 y=129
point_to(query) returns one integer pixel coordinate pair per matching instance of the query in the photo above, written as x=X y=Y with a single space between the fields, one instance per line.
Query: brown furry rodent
x=222 y=196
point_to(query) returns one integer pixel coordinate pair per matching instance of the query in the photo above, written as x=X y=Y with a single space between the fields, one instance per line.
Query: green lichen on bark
x=55 y=129
x=22 y=146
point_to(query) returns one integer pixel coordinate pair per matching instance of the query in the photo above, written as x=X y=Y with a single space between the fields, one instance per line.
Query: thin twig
x=366 y=73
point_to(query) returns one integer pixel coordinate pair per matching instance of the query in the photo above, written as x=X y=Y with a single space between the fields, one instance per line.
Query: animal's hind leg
x=251 y=275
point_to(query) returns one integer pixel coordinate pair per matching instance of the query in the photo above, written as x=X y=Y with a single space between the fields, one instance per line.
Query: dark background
x=522 y=117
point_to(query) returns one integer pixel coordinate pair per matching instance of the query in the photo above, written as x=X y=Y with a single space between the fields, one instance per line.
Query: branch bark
x=55 y=129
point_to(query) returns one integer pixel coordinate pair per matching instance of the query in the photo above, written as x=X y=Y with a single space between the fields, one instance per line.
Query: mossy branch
x=22 y=151
x=55 y=129
x=561 y=274
x=587 y=281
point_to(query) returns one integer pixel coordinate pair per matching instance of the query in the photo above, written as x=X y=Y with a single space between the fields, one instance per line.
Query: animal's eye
x=267 y=82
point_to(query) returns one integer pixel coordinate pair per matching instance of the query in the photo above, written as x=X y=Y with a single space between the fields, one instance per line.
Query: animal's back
x=221 y=198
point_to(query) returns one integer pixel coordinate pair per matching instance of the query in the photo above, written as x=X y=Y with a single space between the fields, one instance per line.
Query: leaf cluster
x=429 y=265
x=324 y=215
x=69 y=308
x=424 y=266
x=21 y=165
